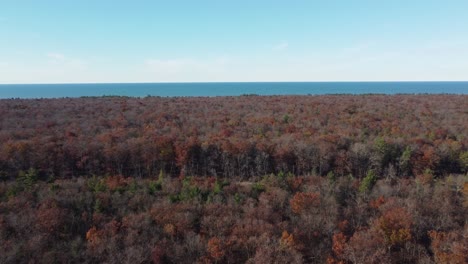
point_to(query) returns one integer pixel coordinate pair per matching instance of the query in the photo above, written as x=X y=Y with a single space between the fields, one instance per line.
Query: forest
x=242 y=179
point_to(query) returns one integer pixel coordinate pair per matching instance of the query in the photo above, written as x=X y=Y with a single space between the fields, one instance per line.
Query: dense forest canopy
x=235 y=137
x=256 y=179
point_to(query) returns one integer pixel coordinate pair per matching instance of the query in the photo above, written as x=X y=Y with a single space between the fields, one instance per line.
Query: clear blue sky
x=46 y=41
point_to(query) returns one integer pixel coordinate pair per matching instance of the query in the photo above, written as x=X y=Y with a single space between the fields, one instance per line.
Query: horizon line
x=215 y=82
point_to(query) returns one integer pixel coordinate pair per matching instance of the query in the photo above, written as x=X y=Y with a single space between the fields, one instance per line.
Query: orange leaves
x=303 y=201
x=287 y=240
x=425 y=178
x=174 y=134
x=215 y=248
x=116 y=182
x=339 y=244
x=377 y=202
x=113 y=227
x=169 y=229
x=226 y=132
x=295 y=183
x=292 y=242
x=239 y=139
x=364 y=246
x=425 y=158
x=395 y=226
x=398 y=237
x=96 y=237
x=50 y=217
x=174 y=220
x=465 y=194
x=338 y=247
x=330 y=138
x=449 y=247
x=93 y=236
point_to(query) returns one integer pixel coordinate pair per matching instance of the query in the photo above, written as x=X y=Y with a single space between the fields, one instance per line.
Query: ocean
x=227 y=89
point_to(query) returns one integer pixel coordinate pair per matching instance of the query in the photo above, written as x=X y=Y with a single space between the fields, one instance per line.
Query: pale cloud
x=52 y=68
x=61 y=60
x=56 y=56
x=173 y=66
x=443 y=46
x=359 y=47
x=281 y=46
x=361 y=61
x=186 y=69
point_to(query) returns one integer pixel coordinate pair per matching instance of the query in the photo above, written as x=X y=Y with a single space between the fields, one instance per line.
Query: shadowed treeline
x=235 y=137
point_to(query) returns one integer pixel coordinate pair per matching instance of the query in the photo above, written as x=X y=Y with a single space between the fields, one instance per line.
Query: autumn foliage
x=303 y=201
x=249 y=179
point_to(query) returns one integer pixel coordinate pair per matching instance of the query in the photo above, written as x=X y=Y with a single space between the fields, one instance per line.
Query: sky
x=94 y=41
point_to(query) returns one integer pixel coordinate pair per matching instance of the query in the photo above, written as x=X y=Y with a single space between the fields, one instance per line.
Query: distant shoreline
x=223 y=97
x=139 y=90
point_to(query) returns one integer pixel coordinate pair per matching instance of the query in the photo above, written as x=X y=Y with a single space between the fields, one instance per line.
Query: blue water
x=228 y=89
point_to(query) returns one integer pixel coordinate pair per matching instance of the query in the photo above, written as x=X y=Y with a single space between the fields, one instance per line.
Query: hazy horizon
x=208 y=82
